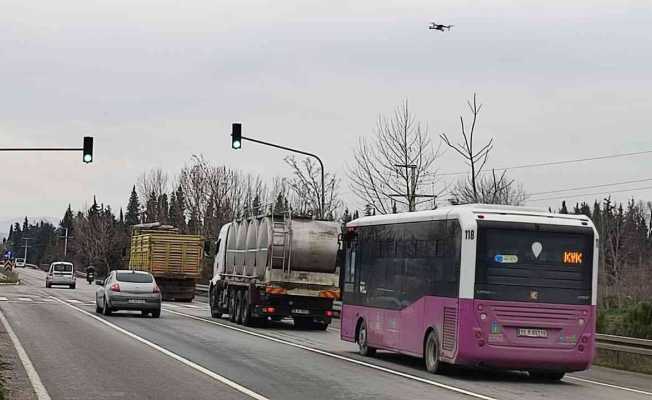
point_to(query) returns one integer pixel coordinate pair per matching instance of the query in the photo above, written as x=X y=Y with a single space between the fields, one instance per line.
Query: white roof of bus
x=463 y=210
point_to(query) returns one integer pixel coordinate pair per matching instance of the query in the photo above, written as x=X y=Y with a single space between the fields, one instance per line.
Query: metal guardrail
x=624 y=344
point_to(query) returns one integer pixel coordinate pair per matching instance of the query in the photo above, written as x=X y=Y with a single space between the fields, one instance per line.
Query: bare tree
x=478 y=188
x=392 y=168
x=306 y=189
x=154 y=181
x=489 y=189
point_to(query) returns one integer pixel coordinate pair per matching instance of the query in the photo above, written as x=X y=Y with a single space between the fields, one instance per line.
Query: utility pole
x=410 y=187
x=65 y=237
x=26 y=247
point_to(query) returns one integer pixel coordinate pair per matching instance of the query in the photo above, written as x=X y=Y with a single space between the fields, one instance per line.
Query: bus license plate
x=300 y=311
x=137 y=301
x=531 y=332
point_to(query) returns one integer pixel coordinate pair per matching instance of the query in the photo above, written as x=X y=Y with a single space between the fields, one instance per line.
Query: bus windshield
x=524 y=264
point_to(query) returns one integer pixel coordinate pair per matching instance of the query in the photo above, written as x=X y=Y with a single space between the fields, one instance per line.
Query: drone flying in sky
x=440 y=27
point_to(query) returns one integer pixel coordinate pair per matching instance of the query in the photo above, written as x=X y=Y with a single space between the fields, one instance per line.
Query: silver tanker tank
x=311 y=246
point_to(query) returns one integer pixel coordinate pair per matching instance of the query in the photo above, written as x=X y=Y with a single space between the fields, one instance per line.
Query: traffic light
x=236 y=136
x=88 y=149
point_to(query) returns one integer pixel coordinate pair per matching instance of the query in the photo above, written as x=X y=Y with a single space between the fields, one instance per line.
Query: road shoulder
x=12 y=374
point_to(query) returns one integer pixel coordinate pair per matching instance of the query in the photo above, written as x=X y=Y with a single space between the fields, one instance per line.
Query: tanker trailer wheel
x=239 y=300
x=232 y=305
x=245 y=312
x=214 y=302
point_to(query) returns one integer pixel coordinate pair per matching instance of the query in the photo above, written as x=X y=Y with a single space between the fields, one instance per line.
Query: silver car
x=61 y=273
x=128 y=290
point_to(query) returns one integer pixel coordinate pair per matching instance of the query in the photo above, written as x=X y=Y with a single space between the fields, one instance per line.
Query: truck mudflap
x=176 y=289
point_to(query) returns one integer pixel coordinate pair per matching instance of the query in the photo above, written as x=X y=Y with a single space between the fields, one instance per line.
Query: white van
x=61 y=273
x=20 y=262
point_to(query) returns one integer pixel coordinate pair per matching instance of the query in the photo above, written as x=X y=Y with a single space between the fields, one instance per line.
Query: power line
x=549 y=163
x=592 y=186
x=592 y=194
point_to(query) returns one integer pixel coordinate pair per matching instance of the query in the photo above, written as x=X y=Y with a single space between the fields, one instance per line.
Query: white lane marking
x=339 y=357
x=172 y=355
x=74 y=301
x=609 y=385
x=39 y=389
x=24 y=298
x=3 y=299
x=191 y=306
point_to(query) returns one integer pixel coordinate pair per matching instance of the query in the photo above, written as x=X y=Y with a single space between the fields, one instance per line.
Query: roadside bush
x=637 y=321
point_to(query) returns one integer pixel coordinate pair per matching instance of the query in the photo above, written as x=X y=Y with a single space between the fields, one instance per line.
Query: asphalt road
x=186 y=354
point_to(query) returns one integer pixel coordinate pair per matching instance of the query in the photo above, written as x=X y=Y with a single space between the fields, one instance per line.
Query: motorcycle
x=90 y=277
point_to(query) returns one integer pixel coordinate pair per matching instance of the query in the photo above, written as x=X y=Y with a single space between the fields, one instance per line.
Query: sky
x=155 y=82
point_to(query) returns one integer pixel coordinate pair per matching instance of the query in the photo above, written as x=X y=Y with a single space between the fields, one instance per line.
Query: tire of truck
x=213 y=301
x=247 y=319
x=239 y=306
x=232 y=305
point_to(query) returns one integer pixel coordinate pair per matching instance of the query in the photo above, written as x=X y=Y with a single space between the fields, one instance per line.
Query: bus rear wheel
x=550 y=376
x=431 y=354
x=363 y=341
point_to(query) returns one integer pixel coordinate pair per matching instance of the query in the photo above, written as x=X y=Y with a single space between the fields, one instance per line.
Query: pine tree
x=151 y=208
x=563 y=209
x=121 y=219
x=179 y=217
x=67 y=221
x=163 y=209
x=133 y=209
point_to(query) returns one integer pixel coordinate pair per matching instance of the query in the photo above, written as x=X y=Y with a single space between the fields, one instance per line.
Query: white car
x=61 y=273
x=20 y=262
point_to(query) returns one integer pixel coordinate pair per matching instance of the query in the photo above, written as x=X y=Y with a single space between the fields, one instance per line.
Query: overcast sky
x=158 y=81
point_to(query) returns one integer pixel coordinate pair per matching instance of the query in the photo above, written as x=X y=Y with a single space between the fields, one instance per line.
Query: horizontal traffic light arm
x=278 y=146
x=41 y=149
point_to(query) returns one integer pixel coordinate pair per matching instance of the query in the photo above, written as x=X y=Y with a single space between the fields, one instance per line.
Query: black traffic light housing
x=88 y=149
x=236 y=136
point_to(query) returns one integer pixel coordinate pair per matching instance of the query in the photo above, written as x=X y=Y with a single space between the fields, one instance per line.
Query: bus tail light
x=269 y=310
x=481 y=343
x=585 y=339
x=483 y=316
x=477 y=333
x=580 y=347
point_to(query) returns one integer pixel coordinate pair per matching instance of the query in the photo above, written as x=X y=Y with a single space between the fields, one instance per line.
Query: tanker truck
x=276 y=266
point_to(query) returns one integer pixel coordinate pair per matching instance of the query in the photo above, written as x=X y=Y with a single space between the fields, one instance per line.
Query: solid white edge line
x=337 y=356
x=170 y=354
x=37 y=385
x=609 y=385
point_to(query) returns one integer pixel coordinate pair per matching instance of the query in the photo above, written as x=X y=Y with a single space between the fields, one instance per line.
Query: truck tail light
x=275 y=290
x=115 y=287
x=330 y=294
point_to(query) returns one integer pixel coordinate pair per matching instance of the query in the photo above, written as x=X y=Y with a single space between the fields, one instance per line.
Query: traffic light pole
x=321 y=164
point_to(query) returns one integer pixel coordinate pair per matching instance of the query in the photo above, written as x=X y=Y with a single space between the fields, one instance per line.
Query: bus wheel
x=363 y=346
x=550 y=376
x=431 y=354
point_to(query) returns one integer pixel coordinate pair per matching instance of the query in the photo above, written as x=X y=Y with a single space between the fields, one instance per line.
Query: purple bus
x=476 y=285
